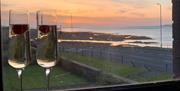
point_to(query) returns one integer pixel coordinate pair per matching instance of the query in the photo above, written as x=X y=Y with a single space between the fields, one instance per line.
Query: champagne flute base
x=19 y=72
x=47 y=71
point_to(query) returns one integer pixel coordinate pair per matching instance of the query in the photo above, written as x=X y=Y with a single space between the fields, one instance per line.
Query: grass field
x=161 y=76
x=105 y=65
x=34 y=77
x=118 y=68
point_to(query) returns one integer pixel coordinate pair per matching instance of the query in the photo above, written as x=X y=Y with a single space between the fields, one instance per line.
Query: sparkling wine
x=17 y=64
x=19 y=46
x=46 y=63
x=47 y=46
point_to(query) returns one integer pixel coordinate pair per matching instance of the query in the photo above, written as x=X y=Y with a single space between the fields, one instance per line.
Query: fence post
x=166 y=67
x=62 y=48
x=122 y=59
x=91 y=53
x=76 y=50
x=133 y=64
x=109 y=56
x=81 y=52
x=100 y=53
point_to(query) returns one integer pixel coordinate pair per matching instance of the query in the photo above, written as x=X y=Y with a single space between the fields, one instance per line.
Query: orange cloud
x=99 y=12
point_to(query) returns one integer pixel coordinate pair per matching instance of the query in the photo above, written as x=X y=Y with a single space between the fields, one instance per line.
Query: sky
x=93 y=13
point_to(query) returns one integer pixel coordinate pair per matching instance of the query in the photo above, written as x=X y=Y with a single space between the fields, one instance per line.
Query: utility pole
x=160 y=22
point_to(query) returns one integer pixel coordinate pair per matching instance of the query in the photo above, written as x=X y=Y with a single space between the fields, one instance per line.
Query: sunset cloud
x=100 y=11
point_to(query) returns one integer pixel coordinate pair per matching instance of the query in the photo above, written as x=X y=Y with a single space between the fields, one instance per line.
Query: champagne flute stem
x=48 y=70
x=20 y=78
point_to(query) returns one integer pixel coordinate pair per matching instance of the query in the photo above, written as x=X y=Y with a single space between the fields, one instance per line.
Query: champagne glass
x=19 y=43
x=47 y=41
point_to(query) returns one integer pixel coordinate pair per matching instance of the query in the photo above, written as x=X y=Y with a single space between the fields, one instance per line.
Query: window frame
x=170 y=85
x=1 y=71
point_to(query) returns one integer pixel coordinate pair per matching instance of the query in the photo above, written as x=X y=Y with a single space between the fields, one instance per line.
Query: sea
x=153 y=32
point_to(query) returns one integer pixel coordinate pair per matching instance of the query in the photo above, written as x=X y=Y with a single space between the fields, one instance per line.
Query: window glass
x=99 y=43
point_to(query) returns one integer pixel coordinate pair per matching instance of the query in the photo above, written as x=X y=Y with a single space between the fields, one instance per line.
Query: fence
x=158 y=61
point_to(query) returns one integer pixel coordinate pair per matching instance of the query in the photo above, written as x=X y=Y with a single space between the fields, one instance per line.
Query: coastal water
x=154 y=33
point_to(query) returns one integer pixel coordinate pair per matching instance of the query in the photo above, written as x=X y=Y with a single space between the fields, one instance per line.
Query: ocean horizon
x=153 y=32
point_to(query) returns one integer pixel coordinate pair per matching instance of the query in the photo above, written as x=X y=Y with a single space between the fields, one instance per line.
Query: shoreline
x=110 y=39
x=107 y=38
x=110 y=45
x=99 y=36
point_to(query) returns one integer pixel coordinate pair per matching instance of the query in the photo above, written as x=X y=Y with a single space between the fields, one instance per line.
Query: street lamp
x=160 y=6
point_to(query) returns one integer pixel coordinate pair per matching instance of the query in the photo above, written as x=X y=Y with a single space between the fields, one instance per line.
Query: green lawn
x=34 y=77
x=105 y=65
x=117 y=68
x=162 y=76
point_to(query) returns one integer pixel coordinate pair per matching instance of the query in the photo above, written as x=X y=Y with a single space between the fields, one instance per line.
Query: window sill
x=170 y=85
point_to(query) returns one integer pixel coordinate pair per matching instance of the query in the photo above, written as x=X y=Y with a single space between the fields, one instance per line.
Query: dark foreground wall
x=176 y=37
x=93 y=74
